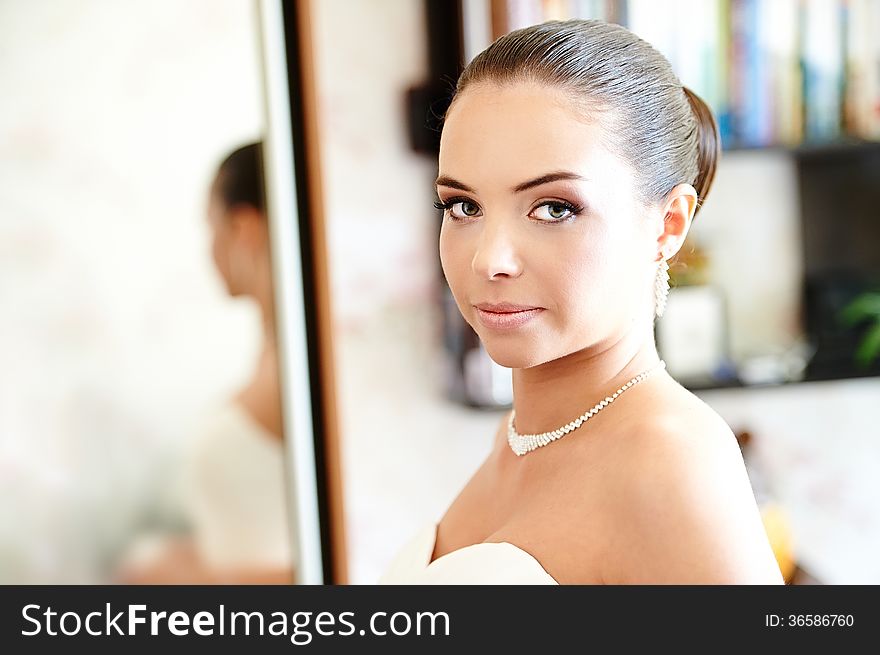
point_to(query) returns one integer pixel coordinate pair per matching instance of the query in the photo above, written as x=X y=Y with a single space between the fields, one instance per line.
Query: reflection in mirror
x=233 y=475
x=140 y=423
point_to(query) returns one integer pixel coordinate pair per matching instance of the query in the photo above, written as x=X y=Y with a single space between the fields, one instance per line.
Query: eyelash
x=575 y=210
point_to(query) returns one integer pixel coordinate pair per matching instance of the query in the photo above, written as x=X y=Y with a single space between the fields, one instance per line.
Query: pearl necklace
x=523 y=443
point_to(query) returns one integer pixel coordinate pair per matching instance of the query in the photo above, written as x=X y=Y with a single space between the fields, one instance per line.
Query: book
x=822 y=62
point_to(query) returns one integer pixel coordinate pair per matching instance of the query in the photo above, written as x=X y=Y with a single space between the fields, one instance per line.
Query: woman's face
x=577 y=250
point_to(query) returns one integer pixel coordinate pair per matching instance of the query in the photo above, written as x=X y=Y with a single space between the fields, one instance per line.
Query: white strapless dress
x=482 y=563
x=236 y=492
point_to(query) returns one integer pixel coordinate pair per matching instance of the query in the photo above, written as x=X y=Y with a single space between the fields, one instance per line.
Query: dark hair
x=239 y=179
x=663 y=130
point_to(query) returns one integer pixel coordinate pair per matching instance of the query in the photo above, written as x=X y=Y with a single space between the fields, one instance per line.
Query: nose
x=496 y=255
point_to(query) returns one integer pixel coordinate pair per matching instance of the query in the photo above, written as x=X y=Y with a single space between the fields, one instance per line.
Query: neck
x=269 y=327
x=262 y=395
x=551 y=394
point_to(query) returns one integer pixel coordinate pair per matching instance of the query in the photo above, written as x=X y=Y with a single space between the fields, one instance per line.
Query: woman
x=235 y=490
x=572 y=163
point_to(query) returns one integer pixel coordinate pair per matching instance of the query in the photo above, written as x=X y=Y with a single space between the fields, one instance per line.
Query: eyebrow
x=452 y=183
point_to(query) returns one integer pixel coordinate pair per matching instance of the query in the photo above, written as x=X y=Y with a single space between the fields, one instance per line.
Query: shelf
x=739 y=384
x=808 y=149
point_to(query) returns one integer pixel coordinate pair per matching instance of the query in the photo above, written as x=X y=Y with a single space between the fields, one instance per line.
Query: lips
x=504 y=307
x=506 y=316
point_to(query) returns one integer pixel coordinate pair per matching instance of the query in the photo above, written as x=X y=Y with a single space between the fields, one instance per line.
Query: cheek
x=612 y=279
x=587 y=274
x=219 y=254
x=452 y=258
x=580 y=278
x=216 y=251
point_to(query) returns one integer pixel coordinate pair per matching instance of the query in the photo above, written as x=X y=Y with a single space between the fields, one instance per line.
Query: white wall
x=750 y=226
x=114 y=330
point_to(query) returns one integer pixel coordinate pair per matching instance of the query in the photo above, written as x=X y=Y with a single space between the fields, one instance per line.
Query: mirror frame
x=292 y=175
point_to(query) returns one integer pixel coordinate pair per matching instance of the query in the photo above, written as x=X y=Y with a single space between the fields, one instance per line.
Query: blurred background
x=118 y=335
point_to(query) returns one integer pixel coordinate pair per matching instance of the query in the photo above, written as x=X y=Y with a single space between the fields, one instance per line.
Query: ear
x=678 y=212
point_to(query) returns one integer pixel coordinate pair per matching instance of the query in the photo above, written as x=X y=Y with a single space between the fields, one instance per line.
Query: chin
x=520 y=348
x=514 y=353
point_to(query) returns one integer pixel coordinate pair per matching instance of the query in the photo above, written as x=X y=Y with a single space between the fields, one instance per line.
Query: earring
x=661 y=287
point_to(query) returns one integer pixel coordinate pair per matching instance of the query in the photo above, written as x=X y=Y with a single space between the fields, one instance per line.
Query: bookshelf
x=776 y=73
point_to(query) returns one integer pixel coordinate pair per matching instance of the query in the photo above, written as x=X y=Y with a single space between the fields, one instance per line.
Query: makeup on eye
x=448 y=205
x=573 y=209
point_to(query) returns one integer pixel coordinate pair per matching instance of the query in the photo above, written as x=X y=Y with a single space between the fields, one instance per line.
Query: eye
x=555 y=211
x=459 y=208
x=467 y=208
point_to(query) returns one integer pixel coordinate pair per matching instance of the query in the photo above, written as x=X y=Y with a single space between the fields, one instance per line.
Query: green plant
x=865 y=307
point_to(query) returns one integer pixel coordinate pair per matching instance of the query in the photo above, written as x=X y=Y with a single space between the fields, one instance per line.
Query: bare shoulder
x=682 y=510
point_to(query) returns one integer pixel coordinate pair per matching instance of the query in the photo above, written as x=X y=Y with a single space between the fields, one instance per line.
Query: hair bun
x=709 y=144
